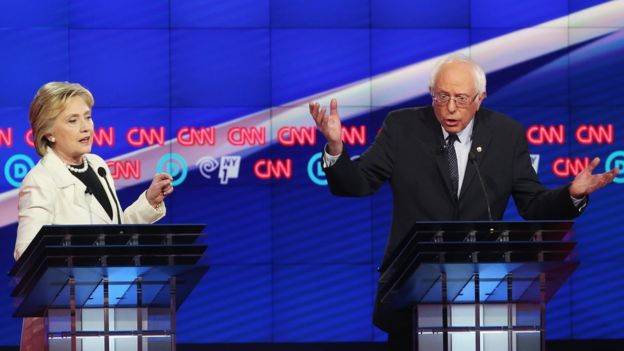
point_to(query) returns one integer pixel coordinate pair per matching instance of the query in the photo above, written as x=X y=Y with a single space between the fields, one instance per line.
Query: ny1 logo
x=229 y=167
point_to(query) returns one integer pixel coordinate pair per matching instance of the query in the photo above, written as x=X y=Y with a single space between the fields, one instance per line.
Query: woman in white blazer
x=70 y=185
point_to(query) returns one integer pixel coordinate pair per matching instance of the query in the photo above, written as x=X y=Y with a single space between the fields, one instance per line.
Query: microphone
x=102 y=172
x=88 y=198
x=473 y=159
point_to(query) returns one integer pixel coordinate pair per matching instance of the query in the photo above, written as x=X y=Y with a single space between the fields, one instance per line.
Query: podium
x=478 y=286
x=108 y=287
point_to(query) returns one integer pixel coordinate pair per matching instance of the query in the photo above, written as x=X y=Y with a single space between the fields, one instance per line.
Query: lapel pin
x=479 y=149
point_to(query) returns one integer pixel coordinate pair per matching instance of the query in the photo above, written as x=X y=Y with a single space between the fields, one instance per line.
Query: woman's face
x=73 y=131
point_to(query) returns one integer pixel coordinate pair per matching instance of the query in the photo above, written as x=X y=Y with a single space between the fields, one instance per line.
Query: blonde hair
x=48 y=103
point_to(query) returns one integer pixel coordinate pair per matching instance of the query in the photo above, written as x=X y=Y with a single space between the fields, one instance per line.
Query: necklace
x=81 y=169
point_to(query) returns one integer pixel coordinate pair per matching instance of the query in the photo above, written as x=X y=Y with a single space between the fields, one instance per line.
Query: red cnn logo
x=189 y=136
x=103 y=136
x=6 y=137
x=125 y=169
x=564 y=167
x=28 y=138
x=290 y=136
x=590 y=134
x=246 y=136
x=540 y=134
x=146 y=136
x=273 y=169
x=354 y=135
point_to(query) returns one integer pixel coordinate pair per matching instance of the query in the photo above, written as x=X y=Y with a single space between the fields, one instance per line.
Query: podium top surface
x=111 y=235
x=90 y=229
x=432 y=249
x=480 y=231
x=497 y=226
x=119 y=253
x=111 y=230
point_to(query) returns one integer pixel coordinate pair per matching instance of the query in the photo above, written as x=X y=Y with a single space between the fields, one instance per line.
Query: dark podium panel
x=478 y=286
x=108 y=287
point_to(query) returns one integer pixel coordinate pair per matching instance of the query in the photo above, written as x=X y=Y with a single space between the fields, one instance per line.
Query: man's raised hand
x=328 y=125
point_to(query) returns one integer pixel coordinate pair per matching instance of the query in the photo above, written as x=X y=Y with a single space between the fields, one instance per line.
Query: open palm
x=586 y=183
x=328 y=125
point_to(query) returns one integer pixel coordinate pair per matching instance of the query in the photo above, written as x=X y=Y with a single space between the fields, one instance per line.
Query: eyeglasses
x=461 y=100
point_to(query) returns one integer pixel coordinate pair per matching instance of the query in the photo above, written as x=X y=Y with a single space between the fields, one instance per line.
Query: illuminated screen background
x=217 y=91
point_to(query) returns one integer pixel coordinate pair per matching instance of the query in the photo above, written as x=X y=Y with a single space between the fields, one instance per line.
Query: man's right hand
x=328 y=125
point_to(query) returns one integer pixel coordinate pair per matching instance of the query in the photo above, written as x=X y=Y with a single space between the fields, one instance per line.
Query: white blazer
x=50 y=194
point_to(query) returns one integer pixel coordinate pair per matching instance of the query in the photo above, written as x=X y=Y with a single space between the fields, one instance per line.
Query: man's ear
x=481 y=97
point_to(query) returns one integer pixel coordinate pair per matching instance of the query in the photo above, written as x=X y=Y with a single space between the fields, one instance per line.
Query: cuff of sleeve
x=329 y=160
x=158 y=209
x=579 y=203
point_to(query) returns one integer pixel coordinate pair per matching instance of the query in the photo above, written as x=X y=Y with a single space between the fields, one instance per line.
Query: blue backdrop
x=291 y=263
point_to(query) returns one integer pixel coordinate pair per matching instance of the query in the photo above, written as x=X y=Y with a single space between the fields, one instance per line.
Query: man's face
x=456 y=81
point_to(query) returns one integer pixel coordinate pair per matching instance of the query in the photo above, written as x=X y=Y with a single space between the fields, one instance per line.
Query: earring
x=52 y=139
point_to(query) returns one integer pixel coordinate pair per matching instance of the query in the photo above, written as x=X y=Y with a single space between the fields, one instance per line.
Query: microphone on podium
x=473 y=159
x=102 y=172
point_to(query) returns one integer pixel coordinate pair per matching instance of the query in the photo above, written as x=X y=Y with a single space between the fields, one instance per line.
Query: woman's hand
x=159 y=189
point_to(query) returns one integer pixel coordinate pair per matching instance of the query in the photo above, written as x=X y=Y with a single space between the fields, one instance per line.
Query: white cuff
x=329 y=160
x=578 y=203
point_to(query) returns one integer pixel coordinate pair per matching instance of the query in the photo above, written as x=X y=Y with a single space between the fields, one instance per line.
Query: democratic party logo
x=616 y=160
x=315 y=169
x=16 y=168
x=175 y=165
x=229 y=167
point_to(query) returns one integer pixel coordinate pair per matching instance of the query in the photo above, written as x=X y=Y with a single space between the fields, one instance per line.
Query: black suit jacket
x=408 y=154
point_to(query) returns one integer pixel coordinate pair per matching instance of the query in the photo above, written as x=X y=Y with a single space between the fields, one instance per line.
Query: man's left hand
x=586 y=183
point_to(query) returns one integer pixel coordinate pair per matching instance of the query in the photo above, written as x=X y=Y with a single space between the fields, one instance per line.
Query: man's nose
x=451 y=105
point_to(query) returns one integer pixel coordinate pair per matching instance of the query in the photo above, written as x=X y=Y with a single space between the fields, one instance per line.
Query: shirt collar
x=464 y=135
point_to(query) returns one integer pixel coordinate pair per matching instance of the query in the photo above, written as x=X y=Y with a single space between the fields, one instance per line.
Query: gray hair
x=477 y=71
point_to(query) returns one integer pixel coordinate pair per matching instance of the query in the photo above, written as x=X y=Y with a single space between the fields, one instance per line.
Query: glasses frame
x=438 y=101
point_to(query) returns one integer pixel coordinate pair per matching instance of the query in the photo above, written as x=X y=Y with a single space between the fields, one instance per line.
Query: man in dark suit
x=429 y=154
